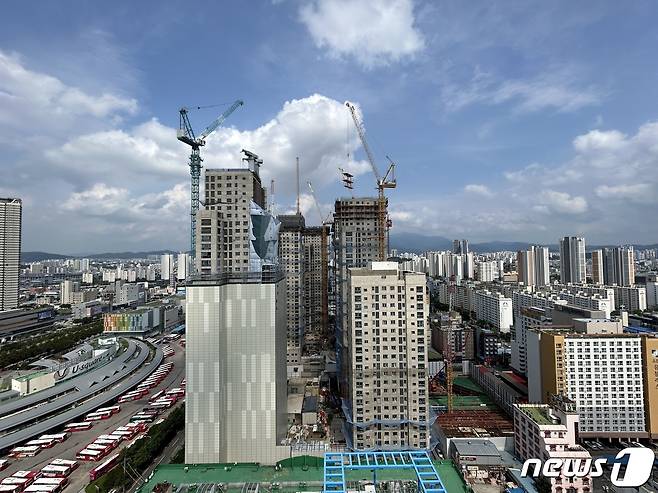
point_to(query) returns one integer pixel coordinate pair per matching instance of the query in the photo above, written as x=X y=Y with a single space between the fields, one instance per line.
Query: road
x=78 y=440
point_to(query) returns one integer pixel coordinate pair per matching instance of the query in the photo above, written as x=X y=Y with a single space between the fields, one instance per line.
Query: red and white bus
x=107 y=444
x=20 y=452
x=177 y=391
x=100 y=447
x=54 y=471
x=157 y=395
x=58 y=437
x=136 y=426
x=183 y=382
x=143 y=417
x=65 y=462
x=72 y=427
x=90 y=455
x=10 y=488
x=104 y=468
x=162 y=404
x=42 y=488
x=4 y=464
x=98 y=415
x=58 y=483
x=111 y=409
x=41 y=443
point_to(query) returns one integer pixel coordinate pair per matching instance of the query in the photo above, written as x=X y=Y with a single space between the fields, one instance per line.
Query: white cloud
x=562 y=202
x=476 y=189
x=557 y=90
x=34 y=102
x=643 y=193
x=374 y=32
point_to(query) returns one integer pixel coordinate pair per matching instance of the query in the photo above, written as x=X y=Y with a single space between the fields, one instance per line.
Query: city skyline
x=465 y=113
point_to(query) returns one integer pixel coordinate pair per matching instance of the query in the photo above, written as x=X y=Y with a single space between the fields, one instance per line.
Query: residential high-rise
x=597 y=267
x=460 y=247
x=532 y=266
x=208 y=242
x=387 y=335
x=166 y=267
x=66 y=290
x=542 y=269
x=619 y=266
x=10 y=252
x=316 y=279
x=183 y=266
x=236 y=404
x=233 y=193
x=355 y=236
x=291 y=257
x=572 y=259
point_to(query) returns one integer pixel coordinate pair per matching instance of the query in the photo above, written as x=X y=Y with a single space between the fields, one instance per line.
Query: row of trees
x=135 y=460
x=25 y=350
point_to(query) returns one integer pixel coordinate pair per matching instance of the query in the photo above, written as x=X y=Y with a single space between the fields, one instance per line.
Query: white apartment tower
x=388 y=335
x=183 y=266
x=166 y=267
x=572 y=260
x=10 y=251
x=532 y=266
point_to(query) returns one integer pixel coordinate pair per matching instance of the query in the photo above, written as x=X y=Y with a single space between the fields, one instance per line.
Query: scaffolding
x=337 y=464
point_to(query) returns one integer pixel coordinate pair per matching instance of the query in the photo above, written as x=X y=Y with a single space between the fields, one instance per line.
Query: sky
x=511 y=120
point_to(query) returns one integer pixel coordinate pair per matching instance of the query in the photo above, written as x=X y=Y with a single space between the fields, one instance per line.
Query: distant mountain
x=27 y=257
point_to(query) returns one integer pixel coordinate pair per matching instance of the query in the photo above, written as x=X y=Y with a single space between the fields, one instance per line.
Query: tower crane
x=383 y=182
x=186 y=134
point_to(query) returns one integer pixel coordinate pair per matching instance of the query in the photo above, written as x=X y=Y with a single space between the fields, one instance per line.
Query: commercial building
x=572 y=259
x=10 y=252
x=19 y=322
x=543 y=432
x=493 y=308
x=291 y=258
x=387 y=337
x=236 y=404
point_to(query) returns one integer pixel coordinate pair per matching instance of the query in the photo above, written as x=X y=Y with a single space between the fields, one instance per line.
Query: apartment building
x=316 y=278
x=493 y=308
x=291 y=258
x=387 y=339
x=543 y=431
x=572 y=259
x=10 y=251
x=610 y=378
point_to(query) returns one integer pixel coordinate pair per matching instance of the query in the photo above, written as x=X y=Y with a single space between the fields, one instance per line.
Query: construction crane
x=324 y=259
x=387 y=181
x=186 y=134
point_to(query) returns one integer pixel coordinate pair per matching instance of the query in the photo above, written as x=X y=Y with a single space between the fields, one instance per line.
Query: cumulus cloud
x=476 y=189
x=561 y=202
x=38 y=102
x=643 y=193
x=374 y=32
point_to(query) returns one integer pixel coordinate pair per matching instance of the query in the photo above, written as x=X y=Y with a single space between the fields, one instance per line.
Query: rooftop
x=539 y=414
x=480 y=447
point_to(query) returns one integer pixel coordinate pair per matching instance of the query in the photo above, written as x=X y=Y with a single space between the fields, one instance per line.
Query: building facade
x=572 y=259
x=10 y=251
x=388 y=334
x=493 y=308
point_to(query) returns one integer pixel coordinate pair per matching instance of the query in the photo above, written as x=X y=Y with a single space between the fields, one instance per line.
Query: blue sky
x=514 y=121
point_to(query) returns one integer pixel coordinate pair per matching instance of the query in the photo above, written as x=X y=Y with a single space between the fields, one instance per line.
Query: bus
x=177 y=391
x=41 y=443
x=59 y=483
x=143 y=417
x=65 y=462
x=105 y=467
x=98 y=415
x=20 y=452
x=10 y=488
x=87 y=454
x=54 y=471
x=73 y=427
x=157 y=395
x=42 y=488
x=105 y=447
x=111 y=409
x=58 y=437
x=108 y=444
x=162 y=404
x=4 y=464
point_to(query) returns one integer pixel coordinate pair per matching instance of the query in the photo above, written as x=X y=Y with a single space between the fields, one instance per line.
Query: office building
x=597 y=267
x=572 y=259
x=166 y=267
x=544 y=432
x=183 y=266
x=10 y=252
x=291 y=258
x=387 y=338
x=233 y=193
x=356 y=243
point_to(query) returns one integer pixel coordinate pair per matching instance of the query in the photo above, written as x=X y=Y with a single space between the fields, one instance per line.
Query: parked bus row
x=157 y=377
x=168 y=351
x=104 y=444
x=38 y=482
x=33 y=447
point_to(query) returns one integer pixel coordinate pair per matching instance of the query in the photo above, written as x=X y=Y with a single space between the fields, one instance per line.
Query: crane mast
x=387 y=181
x=186 y=134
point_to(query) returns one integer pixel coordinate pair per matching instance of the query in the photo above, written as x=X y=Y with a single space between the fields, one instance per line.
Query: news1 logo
x=638 y=467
